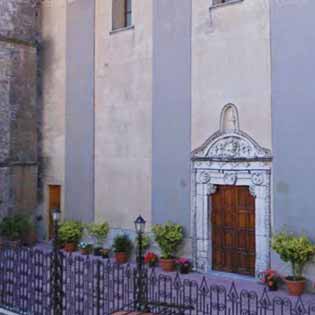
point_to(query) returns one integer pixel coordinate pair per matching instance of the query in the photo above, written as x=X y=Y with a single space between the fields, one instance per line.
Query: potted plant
x=270 y=278
x=29 y=236
x=70 y=233
x=146 y=241
x=183 y=265
x=297 y=251
x=100 y=232
x=85 y=248
x=17 y=229
x=104 y=252
x=169 y=237
x=150 y=259
x=122 y=247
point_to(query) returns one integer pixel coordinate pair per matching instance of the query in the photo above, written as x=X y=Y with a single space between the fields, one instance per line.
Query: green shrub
x=295 y=250
x=169 y=237
x=122 y=244
x=15 y=228
x=146 y=241
x=99 y=231
x=70 y=232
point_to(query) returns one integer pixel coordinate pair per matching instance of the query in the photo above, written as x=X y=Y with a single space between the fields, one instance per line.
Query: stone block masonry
x=18 y=106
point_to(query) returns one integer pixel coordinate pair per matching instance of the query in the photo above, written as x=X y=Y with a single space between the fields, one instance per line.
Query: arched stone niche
x=230 y=157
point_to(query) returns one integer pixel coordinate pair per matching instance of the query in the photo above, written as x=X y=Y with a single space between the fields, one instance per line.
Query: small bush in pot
x=169 y=237
x=100 y=232
x=122 y=247
x=297 y=251
x=70 y=233
x=183 y=265
x=85 y=248
x=146 y=241
x=18 y=229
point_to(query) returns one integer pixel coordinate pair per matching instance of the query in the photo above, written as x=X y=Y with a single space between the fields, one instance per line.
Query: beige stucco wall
x=53 y=90
x=231 y=64
x=123 y=104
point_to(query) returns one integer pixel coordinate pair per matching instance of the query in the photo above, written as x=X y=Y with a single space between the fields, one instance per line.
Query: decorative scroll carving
x=230 y=147
x=252 y=191
x=230 y=143
x=258 y=178
x=230 y=178
x=212 y=189
x=203 y=177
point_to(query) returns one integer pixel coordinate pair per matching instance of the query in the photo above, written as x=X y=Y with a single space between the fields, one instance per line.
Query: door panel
x=54 y=192
x=233 y=230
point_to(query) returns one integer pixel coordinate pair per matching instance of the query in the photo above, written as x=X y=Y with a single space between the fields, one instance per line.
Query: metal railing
x=93 y=286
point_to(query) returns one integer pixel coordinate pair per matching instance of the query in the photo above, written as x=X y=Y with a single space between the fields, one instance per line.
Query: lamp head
x=140 y=224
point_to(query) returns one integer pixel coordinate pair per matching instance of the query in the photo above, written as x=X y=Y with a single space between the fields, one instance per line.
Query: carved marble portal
x=230 y=157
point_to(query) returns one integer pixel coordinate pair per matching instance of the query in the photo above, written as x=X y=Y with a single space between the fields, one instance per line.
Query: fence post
x=98 y=283
x=57 y=268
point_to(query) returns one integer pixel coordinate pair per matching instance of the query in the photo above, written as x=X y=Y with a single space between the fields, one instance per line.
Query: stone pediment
x=229 y=146
x=229 y=143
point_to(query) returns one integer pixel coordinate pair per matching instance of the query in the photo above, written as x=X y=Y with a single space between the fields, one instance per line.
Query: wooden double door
x=233 y=230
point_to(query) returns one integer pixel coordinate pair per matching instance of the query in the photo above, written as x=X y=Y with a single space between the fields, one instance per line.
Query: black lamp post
x=140 y=227
x=57 y=272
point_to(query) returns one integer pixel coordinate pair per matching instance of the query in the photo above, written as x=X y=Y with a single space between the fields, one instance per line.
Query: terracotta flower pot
x=30 y=239
x=121 y=257
x=295 y=287
x=167 y=265
x=70 y=247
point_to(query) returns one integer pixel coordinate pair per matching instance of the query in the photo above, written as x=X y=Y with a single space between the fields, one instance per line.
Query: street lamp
x=56 y=215
x=140 y=227
x=57 y=267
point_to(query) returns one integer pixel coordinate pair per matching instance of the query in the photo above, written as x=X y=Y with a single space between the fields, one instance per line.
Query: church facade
x=200 y=112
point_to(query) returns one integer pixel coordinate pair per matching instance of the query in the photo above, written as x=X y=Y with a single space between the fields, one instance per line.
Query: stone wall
x=231 y=64
x=293 y=112
x=18 y=19
x=53 y=67
x=123 y=121
x=18 y=110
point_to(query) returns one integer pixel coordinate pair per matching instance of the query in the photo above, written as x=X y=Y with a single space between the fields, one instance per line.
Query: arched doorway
x=232 y=163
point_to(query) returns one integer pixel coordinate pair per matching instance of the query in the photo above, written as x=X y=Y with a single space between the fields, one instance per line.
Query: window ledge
x=118 y=30
x=214 y=6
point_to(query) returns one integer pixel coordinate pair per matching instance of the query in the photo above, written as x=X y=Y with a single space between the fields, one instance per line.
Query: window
x=122 y=14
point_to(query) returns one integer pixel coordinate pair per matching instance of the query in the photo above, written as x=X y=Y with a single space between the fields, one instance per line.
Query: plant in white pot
x=296 y=250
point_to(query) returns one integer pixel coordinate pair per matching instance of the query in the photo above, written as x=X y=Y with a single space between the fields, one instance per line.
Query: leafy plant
x=146 y=241
x=99 y=231
x=295 y=250
x=16 y=227
x=122 y=244
x=70 y=231
x=169 y=237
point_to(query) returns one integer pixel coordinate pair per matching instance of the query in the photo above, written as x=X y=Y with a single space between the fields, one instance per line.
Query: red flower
x=150 y=258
